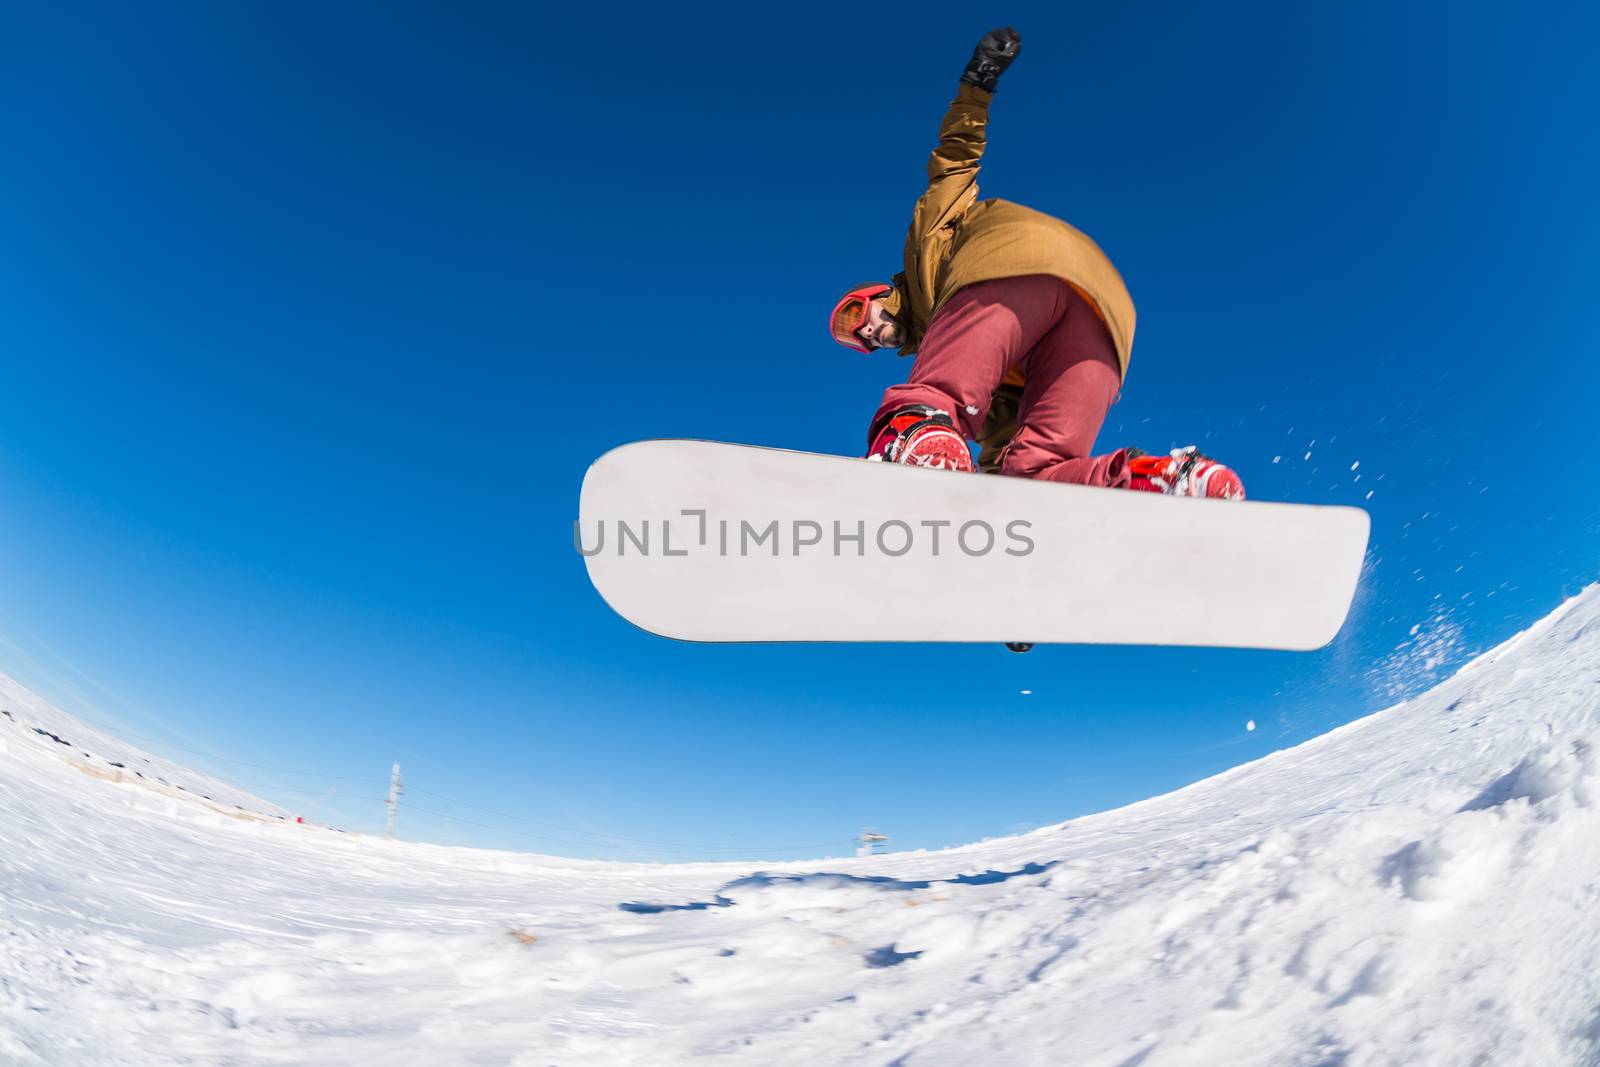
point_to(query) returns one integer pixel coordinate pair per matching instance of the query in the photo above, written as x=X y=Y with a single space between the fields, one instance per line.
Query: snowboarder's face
x=881 y=329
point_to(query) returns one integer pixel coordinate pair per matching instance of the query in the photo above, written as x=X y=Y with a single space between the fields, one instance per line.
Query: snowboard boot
x=920 y=436
x=1185 y=472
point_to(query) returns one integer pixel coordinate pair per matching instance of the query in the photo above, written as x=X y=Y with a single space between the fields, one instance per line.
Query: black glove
x=991 y=58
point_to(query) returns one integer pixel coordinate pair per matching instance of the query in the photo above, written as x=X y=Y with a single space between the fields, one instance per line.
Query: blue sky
x=315 y=317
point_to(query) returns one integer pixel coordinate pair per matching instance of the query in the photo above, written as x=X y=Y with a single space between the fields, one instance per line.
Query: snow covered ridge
x=26 y=718
x=1418 y=887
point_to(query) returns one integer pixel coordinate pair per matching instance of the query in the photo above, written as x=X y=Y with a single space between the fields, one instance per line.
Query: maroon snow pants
x=1040 y=323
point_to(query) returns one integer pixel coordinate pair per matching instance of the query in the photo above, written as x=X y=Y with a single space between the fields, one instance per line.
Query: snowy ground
x=1419 y=887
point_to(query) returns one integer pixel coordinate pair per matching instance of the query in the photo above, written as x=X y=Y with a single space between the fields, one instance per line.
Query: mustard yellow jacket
x=955 y=239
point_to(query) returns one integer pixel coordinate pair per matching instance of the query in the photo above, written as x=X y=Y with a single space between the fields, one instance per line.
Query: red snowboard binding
x=921 y=436
x=1185 y=472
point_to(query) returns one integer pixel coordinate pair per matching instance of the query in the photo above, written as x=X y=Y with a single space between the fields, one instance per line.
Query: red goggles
x=850 y=314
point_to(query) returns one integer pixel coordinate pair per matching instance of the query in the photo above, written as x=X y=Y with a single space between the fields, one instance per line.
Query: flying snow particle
x=1277 y=459
x=1356 y=464
x=1251 y=725
x=1308 y=455
x=1369 y=494
x=1027 y=692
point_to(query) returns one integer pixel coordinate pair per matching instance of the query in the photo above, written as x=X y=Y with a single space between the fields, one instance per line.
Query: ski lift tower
x=867 y=844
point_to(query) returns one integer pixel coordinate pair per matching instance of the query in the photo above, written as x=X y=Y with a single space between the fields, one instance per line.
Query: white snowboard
x=703 y=541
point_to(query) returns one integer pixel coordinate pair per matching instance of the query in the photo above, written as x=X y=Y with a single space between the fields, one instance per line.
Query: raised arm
x=952 y=175
x=953 y=167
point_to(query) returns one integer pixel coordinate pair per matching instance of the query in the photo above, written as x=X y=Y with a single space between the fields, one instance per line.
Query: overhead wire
x=591 y=844
x=626 y=842
x=597 y=833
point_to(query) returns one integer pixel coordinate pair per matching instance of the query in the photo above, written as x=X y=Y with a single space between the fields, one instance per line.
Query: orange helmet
x=850 y=314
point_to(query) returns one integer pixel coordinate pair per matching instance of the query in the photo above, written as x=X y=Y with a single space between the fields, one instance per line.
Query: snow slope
x=1418 y=887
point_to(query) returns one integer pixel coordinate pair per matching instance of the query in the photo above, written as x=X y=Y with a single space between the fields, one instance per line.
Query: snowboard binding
x=920 y=436
x=1183 y=472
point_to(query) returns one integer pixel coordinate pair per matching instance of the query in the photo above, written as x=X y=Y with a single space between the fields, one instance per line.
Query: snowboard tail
x=703 y=541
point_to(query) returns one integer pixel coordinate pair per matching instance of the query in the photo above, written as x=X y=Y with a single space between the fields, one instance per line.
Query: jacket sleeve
x=953 y=167
x=952 y=189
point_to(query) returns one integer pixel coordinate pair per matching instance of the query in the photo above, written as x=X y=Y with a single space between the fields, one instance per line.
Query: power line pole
x=395 y=789
x=867 y=843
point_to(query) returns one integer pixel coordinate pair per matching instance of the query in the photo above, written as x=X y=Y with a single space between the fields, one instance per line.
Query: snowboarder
x=1021 y=326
